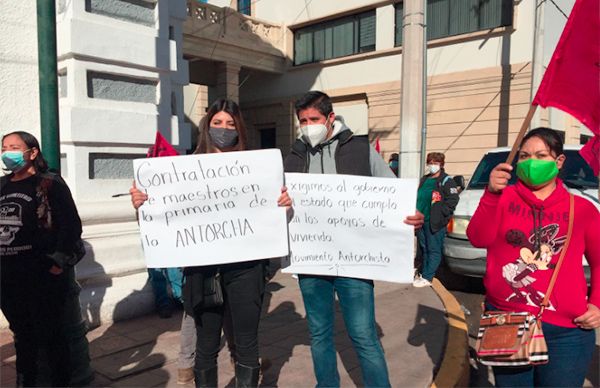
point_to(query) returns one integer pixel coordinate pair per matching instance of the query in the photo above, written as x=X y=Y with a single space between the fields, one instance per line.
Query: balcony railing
x=228 y=26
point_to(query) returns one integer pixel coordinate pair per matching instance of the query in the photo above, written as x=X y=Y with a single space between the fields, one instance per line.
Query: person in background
x=524 y=229
x=242 y=283
x=161 y=280
x=40 y=227
x=436 y=199
x=393 y=163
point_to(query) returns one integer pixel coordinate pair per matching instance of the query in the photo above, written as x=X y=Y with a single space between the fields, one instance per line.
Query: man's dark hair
x=549 y=136
x=436 y=157
x=315 y=99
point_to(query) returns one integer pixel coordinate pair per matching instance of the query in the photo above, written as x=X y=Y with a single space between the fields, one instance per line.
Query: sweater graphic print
x=521 y=273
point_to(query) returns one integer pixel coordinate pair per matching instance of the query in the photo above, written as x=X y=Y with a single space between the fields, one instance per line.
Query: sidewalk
x=142 y=352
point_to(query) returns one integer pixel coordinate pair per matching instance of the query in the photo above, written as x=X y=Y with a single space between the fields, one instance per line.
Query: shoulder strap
x=562 y=255
x=445 y=179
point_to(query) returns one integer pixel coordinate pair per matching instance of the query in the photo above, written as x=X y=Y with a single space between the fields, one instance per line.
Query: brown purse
x=516 y=338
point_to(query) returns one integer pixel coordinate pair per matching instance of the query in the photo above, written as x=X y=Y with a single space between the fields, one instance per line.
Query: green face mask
x=535 y=172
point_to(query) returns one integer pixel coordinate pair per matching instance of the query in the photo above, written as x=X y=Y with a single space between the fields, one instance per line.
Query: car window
x=576 y=173
x=481 y=176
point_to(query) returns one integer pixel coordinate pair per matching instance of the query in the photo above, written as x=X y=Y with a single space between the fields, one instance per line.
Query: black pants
x=34 y=305
x=243 y=289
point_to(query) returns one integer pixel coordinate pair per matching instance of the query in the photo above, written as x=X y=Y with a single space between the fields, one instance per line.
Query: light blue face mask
x=13 y=160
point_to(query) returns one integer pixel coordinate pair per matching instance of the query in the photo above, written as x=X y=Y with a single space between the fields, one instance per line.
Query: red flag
x=377 y=146
x=161 y=147
x=572 y=80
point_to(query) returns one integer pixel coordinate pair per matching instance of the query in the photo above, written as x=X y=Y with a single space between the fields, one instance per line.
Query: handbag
x=212 y=290
x=516 y=338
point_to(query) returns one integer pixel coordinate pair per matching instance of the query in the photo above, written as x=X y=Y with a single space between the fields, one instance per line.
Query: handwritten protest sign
x=211 y=209
x=351 y=226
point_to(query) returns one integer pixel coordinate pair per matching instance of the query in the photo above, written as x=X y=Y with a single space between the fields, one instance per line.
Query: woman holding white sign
x=238 y=287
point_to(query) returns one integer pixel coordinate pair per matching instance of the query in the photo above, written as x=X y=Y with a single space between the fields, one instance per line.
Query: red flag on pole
x=161 y=147
x=377 y=146
x=571 y=82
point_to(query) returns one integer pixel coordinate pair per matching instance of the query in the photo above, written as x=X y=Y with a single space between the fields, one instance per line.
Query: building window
x=583 y=139
x=244 y=7
x=112 y=166
x=268 y=138
x=120 y=88
x=336 y=38
x=62 y=83
x=134 y=11
x=455 y=17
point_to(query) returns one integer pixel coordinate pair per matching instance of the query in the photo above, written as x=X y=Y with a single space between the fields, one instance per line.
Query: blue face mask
x=13 y=160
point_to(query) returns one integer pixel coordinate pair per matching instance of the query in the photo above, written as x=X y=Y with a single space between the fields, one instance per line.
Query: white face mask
x=314 y=133
x=433 y=168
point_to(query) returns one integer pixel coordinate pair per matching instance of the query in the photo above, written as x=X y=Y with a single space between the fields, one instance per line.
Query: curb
x=455 y=368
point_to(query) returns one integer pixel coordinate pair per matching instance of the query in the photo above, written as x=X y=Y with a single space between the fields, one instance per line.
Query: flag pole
x=521 y=134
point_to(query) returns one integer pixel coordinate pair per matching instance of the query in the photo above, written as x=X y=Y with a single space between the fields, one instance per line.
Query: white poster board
x=212 y=208
x=351 y=226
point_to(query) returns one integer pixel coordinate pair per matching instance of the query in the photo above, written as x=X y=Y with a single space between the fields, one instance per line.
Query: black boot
x=245 y=376
x=206 y=377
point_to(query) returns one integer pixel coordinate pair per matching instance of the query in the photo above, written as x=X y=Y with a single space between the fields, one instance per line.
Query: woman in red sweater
x=524 y=227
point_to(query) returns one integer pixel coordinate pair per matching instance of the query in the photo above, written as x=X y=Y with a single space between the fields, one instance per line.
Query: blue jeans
x=160 y=278
x=570 y=352
x=431 y=247
x=358 y=308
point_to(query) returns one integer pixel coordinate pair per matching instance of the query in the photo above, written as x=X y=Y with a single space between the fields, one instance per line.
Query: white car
x=462 y=257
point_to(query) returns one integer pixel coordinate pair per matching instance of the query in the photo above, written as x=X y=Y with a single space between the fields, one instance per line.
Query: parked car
x=463 y=258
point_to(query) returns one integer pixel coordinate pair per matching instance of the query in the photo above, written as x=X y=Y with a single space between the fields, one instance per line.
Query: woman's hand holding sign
x=137 y=197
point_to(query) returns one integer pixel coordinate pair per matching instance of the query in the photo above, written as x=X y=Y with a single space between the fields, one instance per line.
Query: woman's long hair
x=227 y=106
x=39 y=163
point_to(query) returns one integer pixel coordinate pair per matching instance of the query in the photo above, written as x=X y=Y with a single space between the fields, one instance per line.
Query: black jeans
x=34 y=305
x=243 y=289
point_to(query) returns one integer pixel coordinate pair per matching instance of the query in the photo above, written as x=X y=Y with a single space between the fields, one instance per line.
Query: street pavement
x=143 y=352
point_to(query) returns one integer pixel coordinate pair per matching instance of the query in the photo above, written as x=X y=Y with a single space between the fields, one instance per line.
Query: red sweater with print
x=524 y=237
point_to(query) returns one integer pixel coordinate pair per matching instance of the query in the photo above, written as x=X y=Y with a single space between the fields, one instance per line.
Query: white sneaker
x=421 y=282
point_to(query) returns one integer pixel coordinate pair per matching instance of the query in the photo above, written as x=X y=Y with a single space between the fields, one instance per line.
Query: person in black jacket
x=40 y=229
x=436 y=199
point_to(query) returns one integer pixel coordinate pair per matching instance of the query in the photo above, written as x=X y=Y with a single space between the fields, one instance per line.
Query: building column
x=411 y=116
x=228 y=81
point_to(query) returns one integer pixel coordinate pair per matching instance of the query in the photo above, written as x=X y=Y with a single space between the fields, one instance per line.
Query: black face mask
x=223 y=138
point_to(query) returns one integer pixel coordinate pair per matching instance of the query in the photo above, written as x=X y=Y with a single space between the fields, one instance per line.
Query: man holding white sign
x=327 y=146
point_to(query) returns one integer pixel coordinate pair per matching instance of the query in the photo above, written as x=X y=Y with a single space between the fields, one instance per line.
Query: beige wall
x=468 y=113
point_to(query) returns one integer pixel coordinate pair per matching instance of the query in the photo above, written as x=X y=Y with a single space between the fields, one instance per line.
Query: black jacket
x=441 y=211
x=56 y=218
x=351 y=155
